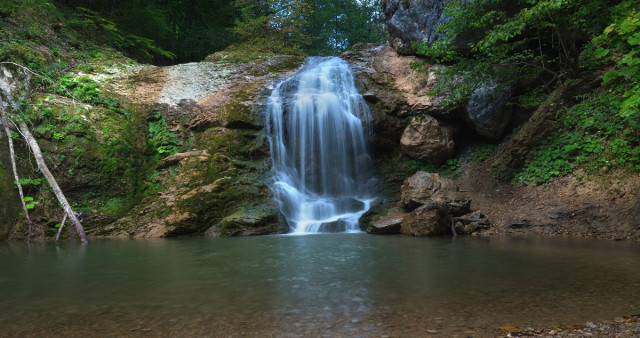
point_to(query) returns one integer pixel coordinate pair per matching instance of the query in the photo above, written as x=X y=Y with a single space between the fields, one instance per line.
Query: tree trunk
x=52 y=181
x=5 y=123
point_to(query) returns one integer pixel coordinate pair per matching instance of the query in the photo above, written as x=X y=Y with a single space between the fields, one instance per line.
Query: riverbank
x=628 y=326
x=602 y=205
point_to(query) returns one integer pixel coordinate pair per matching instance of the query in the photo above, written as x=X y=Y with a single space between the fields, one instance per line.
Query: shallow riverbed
x=294 y=286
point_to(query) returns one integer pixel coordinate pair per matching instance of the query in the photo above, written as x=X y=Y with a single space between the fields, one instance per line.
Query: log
x=35 y=149
x=5 y=123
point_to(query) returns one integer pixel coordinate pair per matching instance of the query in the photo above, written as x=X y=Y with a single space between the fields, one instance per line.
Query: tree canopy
x=162 y=31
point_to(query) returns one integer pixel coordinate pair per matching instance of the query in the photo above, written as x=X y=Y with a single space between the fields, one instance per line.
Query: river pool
x=353 y=285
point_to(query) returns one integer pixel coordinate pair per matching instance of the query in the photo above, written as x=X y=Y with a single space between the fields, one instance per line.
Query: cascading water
x=318 y=124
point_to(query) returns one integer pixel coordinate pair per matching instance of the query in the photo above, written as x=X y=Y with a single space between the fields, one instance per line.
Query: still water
x=353 y=285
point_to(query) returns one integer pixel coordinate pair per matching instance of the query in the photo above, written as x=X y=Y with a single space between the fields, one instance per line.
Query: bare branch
x=5 y=123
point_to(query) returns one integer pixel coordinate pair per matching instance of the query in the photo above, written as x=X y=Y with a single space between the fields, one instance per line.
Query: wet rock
x=387 y=222
x=486 y=111
x=426 y=139
x=428 y=220
x=260 y=220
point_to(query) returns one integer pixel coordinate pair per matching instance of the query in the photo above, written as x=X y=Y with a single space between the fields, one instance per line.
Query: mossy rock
x=249 y=221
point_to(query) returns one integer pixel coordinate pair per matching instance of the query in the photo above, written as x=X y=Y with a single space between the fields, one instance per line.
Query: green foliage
x=29 y=181
x=619 y=44
x=274 y=25
x=107 y=32
x=483 y=152
x=449 y=168
x=310 y=26
x=536 y=38
x=163 y=141
x=592 y=135
x=30 y=203
x=82 y=88
x=412 y=166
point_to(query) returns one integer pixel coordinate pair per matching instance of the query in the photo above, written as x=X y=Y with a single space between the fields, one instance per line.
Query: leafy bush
x=592 y=135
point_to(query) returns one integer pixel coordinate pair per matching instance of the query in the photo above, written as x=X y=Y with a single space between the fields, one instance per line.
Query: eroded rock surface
x=427 y=140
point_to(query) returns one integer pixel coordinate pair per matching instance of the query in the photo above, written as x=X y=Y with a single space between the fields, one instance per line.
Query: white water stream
x=318 y=125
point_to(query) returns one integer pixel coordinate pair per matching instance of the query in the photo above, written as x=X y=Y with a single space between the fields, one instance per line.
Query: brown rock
x=428 y=188
x=428 y=220
x=426 y=140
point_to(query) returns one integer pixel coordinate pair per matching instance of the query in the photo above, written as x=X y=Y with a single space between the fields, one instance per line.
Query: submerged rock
x=426 y=139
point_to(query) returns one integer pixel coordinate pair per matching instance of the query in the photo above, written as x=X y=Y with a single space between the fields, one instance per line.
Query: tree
x=535 y=38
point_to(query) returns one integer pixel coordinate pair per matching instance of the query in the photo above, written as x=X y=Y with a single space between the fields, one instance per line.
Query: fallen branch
x=61 y=226
x=35 y=149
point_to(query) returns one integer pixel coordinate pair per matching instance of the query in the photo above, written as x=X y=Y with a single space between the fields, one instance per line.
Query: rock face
x=217 y=187
x=486 y=111
x=432 y=200
x=426 y=140
x=411 y=21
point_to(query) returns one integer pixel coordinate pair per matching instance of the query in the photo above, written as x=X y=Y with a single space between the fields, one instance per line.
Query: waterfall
x=322 y=172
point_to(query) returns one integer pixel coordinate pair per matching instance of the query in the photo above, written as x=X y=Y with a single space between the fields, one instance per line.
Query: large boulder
x=426 y=139
x=429 y=189
x=411 y=21
x=486 y=111
x=428 y=220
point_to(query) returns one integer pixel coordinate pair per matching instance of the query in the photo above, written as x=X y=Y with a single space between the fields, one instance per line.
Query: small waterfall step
x=318 y=127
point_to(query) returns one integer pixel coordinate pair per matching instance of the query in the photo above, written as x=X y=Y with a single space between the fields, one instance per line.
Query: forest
x=532 y=47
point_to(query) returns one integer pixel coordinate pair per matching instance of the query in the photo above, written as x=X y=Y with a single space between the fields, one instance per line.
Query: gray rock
x=411 y=21
x=427 y=140
x=486 y=111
